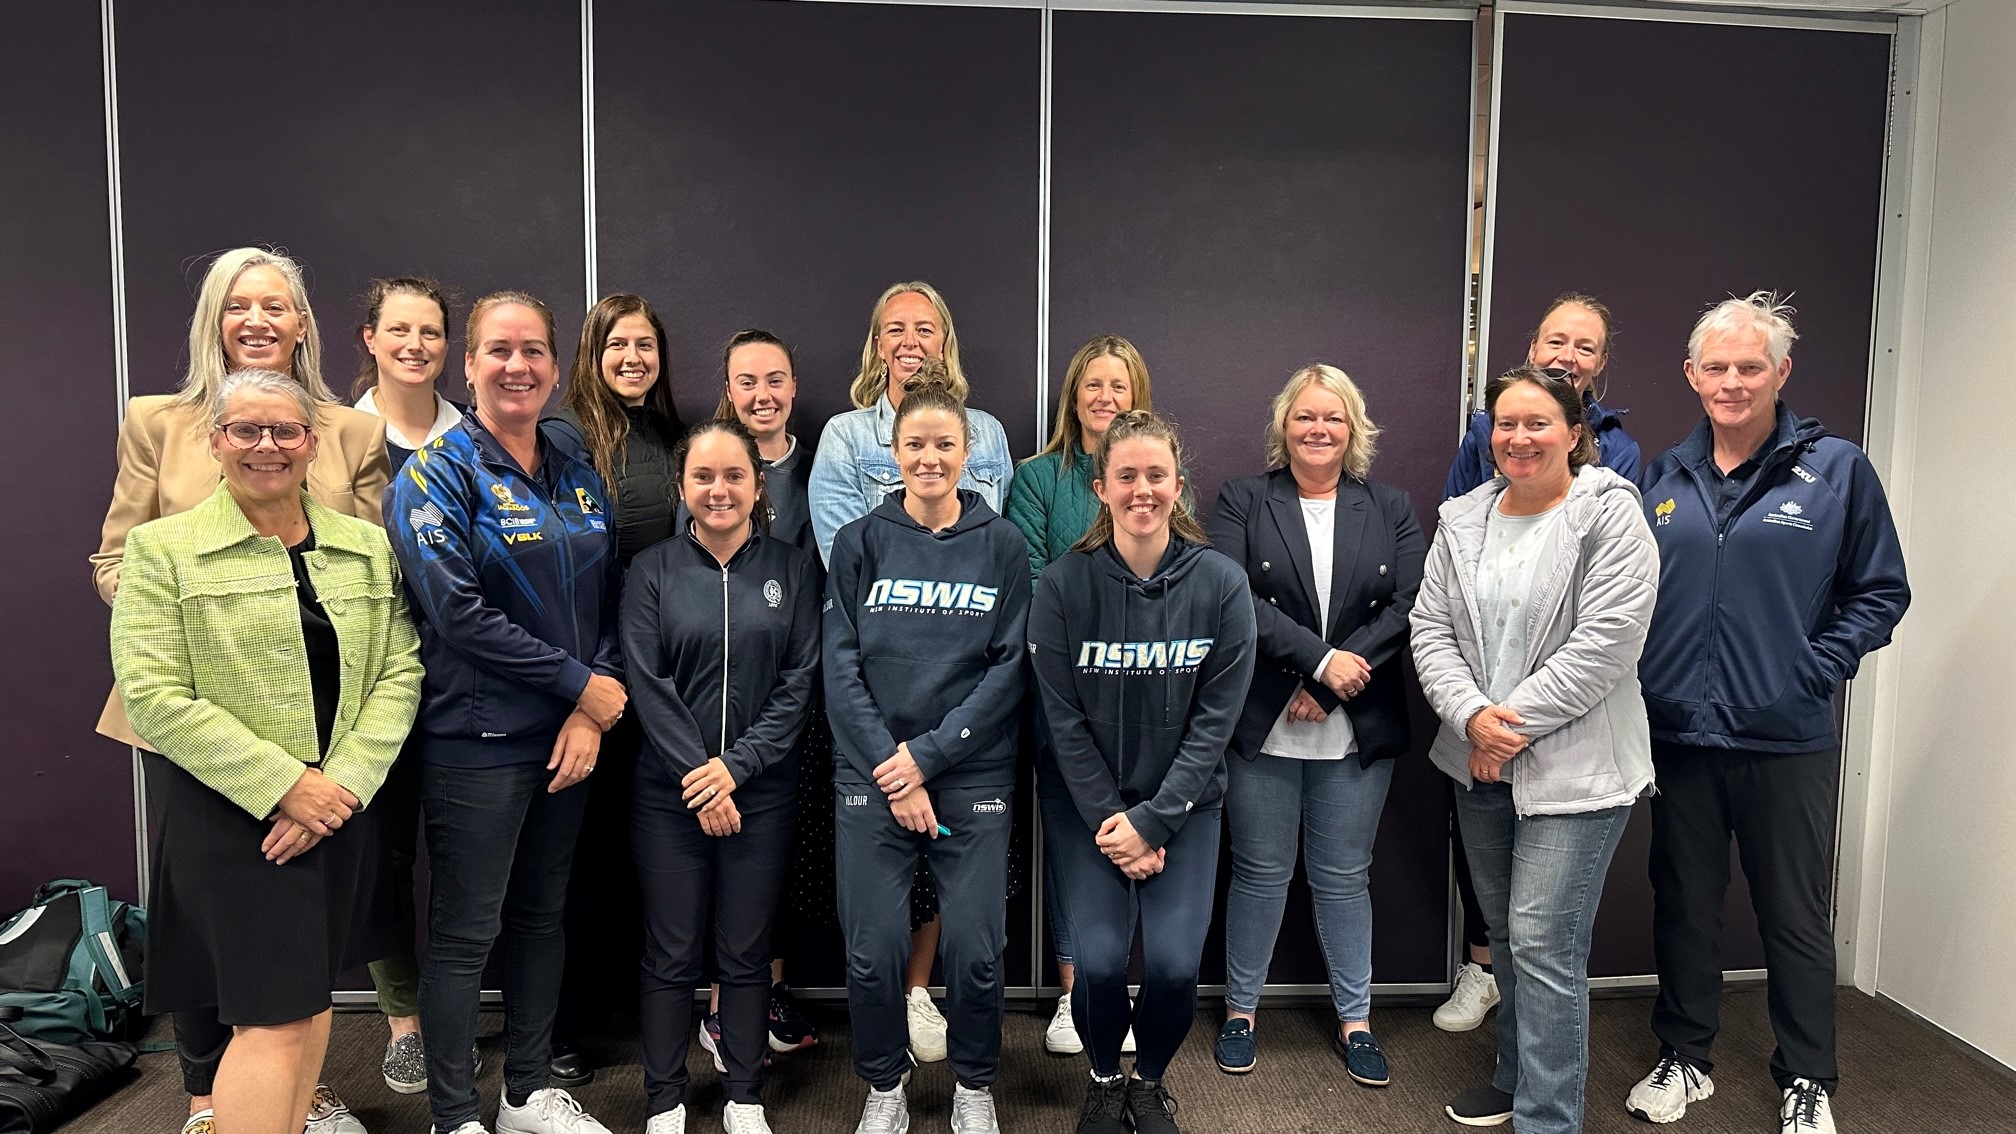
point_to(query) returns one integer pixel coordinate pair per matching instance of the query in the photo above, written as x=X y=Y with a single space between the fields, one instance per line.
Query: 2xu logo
x=932 y=593
x=1178 y=652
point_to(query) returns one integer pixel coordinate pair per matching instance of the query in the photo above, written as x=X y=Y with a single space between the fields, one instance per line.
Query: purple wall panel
x=1662 y=189
x=1242 y=195
x=68 y=805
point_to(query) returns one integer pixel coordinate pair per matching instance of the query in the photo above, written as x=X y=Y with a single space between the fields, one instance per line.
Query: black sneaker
x=1151 y=1107
x=1481 y=1106
x=570 y=1067
x=1235 y=1049
x=789 y=1029
x=1105 y=1107
x=1363 y=1059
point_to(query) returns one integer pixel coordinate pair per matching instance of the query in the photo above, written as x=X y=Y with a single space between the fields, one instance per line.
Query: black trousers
x=699 y=888
x=1780 y=808
x=878 y=864
x=604 y=925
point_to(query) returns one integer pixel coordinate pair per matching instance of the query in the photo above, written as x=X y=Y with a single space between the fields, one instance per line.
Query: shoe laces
x=744 y=1118
x=1471 y=981
x=556 y=1106
x=1104 y=1100
x=1670 y=1068
x=1802 y=1106
x=1157 y=1094
x=973 y=1112
x=883 y=1112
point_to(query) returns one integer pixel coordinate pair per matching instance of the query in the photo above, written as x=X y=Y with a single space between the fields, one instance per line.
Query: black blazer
x=1375 y=573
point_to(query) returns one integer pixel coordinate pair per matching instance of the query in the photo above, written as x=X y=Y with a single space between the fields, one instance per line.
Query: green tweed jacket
x=207 y=646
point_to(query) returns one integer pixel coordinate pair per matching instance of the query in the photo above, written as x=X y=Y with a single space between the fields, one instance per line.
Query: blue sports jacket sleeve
x=977 y=722
x=1093 y=789
x=859 y=732
x=1870 y=591
x=771 y=736
x=447 y=589
x=1214 y=712
x=1465 y=472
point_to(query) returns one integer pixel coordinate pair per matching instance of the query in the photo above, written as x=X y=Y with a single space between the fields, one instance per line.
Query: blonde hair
x=207 y=361
x=1126 y=427
x=1363 y=443
x=871 y=380
x=1068 y=437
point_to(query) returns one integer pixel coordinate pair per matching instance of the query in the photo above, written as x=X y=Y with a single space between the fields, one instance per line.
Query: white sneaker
x=973 y=1111
x=202 y=1122
x=328 y=1115
x=743 y=1118
x=668 y=1121
x=470 y=1127
x=927 y=1027
x=1475 y=993
x=1127 y=1043
x=1663 y=1095
x=886 y=1112
x=1803 y=1110
x=1061 y=1037
x=550 y=1110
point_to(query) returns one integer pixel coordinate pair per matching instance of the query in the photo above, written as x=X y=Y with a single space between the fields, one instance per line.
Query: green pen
x=943 y=829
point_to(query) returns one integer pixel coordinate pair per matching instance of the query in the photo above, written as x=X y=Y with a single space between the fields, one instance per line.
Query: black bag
x=71 y=962
x=43 y=1085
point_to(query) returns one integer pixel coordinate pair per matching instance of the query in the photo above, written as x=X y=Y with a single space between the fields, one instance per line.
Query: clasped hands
x=1125 y=848
x=575 y=750
x=1492 y=742
x=312 y=810
x=709 y=789
x=1345 y=674
x=902 y=784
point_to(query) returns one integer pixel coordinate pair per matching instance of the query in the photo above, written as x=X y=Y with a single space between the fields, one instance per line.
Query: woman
x=1052 y=501
x=759 y=389
x=1573 y=338
x=1780 y=570
x=405 y=340
x=251 y=311
x=264 y=654
x=1527 y=632
x=619 y=412
x=503 y=536
x=1334 y=562
x=853 y=472
x=1142 y=641
x=722 y=685
x=925 y=611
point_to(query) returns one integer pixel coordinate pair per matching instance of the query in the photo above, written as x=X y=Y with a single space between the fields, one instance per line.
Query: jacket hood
x=1797 y=434
x=1591 y=483
x=973 y=513
x=1178 y=559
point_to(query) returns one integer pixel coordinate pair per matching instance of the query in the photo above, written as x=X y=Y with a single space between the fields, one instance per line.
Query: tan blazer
x=165 y=467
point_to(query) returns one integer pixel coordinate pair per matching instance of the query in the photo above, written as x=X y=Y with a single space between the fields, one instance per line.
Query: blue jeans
x=1538 y=880
x=1334 y=805
x=499 y=849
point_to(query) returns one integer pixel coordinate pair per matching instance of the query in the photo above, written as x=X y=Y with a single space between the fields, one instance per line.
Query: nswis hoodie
x=1142 y=681
x=924 y=639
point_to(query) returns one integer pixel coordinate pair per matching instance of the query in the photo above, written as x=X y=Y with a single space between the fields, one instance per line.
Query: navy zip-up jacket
x=924 y=640
x=721 y=660
x=513 y=582
x=1759 y=618
x=1616 y=450
x=1142 y=681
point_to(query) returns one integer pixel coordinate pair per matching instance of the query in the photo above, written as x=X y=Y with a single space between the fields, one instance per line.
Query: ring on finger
x=302 y=838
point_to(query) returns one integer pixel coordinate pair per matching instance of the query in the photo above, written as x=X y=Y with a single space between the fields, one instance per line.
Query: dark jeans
x=499 y=846
x=397 y=974
x=878 y=863
x=1780 y=808
x=1174 y=911
x=1475 y=934
x=689 y=879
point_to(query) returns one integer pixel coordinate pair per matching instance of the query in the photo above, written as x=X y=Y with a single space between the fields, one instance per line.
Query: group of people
x=808 y=675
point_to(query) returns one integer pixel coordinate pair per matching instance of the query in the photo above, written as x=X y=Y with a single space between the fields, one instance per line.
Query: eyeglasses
x=247 y=434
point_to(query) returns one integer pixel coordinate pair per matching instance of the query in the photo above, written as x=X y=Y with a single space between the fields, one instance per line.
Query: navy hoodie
x=1761 y=617
x=1142 y=681
x=924 y=639
x=721 y=660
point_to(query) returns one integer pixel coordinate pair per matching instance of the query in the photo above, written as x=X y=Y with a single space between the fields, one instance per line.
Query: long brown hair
x=604 y=426
x=1127 y=426
x=1068 y=435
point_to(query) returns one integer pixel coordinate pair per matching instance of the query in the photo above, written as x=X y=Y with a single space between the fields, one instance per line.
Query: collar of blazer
x=218 y=524
x=1284 y=501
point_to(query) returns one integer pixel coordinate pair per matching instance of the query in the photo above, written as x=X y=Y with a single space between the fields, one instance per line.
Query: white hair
x=1759 y=311
x=253 y=380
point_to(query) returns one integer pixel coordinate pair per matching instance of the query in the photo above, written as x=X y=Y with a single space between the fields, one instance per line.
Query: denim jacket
x=854 y=468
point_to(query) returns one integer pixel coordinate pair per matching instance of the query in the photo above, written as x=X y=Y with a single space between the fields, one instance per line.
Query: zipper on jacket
x=724 y=663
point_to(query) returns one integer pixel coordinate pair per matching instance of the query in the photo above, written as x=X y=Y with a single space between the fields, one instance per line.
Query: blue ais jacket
x=514 y=583
x=1762 y=616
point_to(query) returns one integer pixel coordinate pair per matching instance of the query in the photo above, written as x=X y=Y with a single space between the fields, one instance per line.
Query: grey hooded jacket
x=1579 y=698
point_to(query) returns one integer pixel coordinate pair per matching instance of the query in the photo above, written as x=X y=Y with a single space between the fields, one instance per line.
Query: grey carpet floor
x=1897 y=1076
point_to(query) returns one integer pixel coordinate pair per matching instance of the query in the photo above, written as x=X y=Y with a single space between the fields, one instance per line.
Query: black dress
x=262 y=943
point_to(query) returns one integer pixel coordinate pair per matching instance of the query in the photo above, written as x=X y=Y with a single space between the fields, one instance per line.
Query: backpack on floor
x=71 y=964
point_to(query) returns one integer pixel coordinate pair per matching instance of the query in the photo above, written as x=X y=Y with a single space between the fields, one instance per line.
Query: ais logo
x=1178 y=653
x=932 y=593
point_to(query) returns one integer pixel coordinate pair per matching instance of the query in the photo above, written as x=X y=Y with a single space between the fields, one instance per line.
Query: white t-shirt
x=1506 y=574
x=446 y=417
x=1333 y=737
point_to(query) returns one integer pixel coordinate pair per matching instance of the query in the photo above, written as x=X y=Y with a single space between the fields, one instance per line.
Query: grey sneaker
x=973 y=1111
x=328 y=1115
x=885 y=1112
x=405 y=1064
